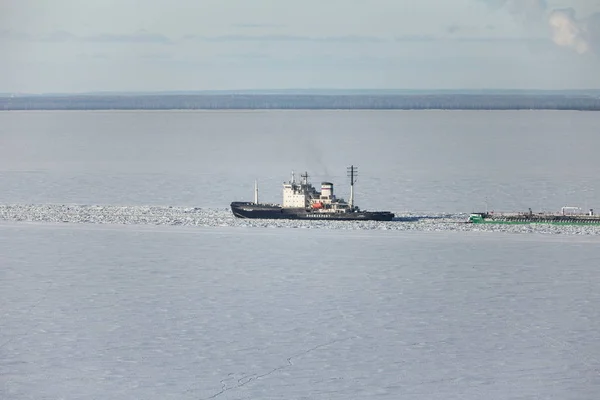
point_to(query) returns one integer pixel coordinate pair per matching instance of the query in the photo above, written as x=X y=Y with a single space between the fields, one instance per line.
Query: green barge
x=567 y=216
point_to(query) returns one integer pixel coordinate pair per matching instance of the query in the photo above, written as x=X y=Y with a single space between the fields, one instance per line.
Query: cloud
x=58 y=36
x=7 y=34
x=453 y=29
x=246 y=56
x=287 y=38
x=93 y=56
x=64 y=36
x=156 y=56
x=471 y=30
x=475 y=39
x=416 y=38
x=498 y=39
x=523 y=9
x=258 y=25
x=137 y=37
x=567 y=30
x=581 y=35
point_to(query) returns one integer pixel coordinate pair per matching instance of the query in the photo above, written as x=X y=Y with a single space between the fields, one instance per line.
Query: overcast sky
x=147 y=45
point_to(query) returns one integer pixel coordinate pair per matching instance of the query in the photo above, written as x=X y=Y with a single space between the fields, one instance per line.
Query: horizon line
x=287 y=91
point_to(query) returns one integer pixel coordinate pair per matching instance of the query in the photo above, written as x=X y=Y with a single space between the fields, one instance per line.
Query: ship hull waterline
x=527 y=219
x=540 y=222
x=258 y=211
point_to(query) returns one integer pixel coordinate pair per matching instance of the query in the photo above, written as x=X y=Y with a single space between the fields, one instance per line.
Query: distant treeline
x=305 y=102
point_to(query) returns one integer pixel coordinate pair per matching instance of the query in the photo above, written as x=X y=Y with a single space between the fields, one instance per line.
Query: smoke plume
x=579 y=35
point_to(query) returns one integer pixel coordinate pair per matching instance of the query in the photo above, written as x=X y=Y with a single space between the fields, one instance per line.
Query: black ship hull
x=267 y=211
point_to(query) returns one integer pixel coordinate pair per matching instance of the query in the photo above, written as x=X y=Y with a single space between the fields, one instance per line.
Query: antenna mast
x=352 y=173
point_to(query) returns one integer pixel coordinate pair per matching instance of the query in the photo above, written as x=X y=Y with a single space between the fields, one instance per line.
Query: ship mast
x=352 y=173
x=304 y=178
x=255 y=191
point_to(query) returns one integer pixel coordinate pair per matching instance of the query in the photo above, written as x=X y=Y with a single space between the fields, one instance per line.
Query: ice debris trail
x=208 y=217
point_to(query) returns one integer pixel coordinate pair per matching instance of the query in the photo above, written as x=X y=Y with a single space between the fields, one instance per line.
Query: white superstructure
x=304 y=195
x=298 y=195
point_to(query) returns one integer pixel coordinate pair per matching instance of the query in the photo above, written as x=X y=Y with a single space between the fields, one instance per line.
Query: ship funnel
x=327 y=189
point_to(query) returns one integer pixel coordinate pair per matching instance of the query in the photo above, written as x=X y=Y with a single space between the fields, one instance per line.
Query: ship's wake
x=207 y=217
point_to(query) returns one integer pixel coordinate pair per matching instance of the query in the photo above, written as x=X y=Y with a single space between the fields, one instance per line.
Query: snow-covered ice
x=172 y=312
x=190 y=216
